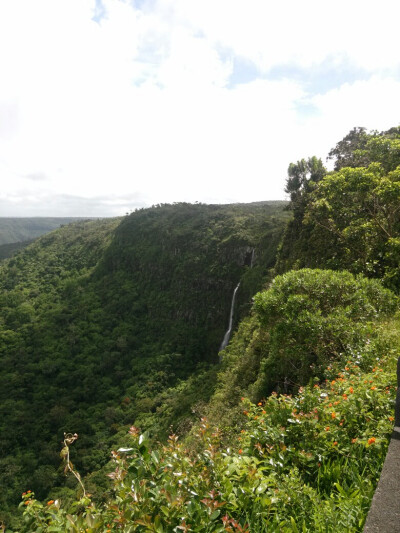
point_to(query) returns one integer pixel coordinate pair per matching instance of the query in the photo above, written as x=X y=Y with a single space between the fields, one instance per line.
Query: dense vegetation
x=106 y=323
x=350 y=219
x=296 y=417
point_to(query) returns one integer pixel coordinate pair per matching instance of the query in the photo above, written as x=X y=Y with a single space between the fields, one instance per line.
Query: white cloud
x=138 y=104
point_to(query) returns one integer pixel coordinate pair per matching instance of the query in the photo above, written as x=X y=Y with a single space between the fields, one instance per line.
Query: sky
x=111 y=105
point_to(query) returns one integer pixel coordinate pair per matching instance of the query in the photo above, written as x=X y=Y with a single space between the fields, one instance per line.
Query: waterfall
x=252 y=258
x=224 y=343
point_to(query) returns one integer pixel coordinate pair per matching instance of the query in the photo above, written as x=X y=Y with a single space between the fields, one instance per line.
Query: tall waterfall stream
x=228 y=333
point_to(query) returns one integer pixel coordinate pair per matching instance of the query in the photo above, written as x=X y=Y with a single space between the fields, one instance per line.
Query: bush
x=316 y=317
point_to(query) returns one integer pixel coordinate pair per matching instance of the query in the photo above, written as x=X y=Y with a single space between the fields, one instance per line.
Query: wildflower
x=50 y=502
x=240 y=451
x=371 y=440
x=344 y=396
x=353 y=441
x=335 y=443
x=259 y=403
x=264 y=412
x=333 y=414
x=333 y=382
x=391 y=418
x=327 y=428
x=373 y=388
x=351 y=390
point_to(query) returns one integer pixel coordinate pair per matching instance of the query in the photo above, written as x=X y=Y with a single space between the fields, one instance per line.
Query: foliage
x=351 y=218
x=350 y=151
x=108 y=323
x=357 y=211
x=302 y=463
x=306 y=321
x=302 y=177
x=315 y=317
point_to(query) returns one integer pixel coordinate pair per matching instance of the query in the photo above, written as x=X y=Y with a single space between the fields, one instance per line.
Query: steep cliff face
x=186 y=260
x=108 y=323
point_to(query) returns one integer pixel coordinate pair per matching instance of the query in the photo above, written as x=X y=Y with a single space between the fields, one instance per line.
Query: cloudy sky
x=109 y=105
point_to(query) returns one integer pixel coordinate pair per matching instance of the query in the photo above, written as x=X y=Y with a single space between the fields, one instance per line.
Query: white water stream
x=228 y=333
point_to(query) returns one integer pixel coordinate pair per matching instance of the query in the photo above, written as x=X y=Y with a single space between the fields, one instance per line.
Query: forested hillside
x=114 y=322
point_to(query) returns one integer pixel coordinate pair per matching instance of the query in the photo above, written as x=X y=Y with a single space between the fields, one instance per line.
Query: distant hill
x=24 y=229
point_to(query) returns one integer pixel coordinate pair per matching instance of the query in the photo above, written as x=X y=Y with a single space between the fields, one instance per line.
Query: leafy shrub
x=308 y=462
x=315 y=317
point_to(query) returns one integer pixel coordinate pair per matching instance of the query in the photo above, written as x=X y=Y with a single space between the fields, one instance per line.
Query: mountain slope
x=105 y=323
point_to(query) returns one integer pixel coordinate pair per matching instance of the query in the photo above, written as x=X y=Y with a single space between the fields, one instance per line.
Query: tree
x=356 y=213
x=347 y=151
x=301 y=177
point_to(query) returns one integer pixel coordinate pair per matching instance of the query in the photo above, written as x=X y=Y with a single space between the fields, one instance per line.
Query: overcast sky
x=109 y=105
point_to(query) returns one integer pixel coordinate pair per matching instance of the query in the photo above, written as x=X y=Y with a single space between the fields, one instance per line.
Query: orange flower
x=240 y=451
x=327 y=428
x=351 y=390
x=333 y=382
x=333 y=415
x=391 y=418
x=353 y=441
x=371 y=440
x=259 y=403
x=373 y=388
x=335 y=443
x=50 y=502
x=344 y=396
x=264 y=412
